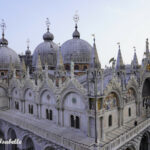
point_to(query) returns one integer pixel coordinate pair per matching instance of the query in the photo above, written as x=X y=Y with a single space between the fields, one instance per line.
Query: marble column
x=37 y=105
x=62 y=117
x=120 y=117
x=58 y=119
x=88 y=121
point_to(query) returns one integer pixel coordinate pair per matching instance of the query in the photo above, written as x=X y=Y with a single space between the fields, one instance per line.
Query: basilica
x=60 y=98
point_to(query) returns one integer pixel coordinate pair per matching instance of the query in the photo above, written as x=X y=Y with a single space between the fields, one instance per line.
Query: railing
x=44 y=133
x=70 y=144
x=127 y=136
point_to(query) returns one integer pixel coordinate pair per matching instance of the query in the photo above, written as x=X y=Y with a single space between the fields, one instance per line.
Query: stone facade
x=98 y=109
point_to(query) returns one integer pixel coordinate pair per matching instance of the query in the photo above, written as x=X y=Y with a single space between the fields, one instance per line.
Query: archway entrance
x=144 y=142
x=49 y=148
x=130 y=148
x=2 y=146
x=12 y=136
x=28 y=144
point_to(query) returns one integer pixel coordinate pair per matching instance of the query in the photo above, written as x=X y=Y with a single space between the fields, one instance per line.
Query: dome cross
x=28 y=43
x=93 y=35
x=47 y=23
x=134 y=49
x=3 y=26
x=76 y=17
x=118 y=44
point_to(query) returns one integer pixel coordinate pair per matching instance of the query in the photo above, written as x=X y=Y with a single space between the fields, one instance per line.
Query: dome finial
x=3 y=41
x=3 y=26
x=28 y=52
x=118 y=45
x=28 y=43
x=93 y=35
x=76 y=34
x=76 y=17
x=48 y=36
x=47 y=24
x=134 y=49
x=147 y=46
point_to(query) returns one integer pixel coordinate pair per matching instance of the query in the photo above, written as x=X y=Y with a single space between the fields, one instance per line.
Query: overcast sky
x=112 y=21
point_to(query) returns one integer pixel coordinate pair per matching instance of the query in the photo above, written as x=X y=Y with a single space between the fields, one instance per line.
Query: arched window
x=50 y=148
x=67 y=67
x=2 y=74
x=17 y=105
x=46 y=113
x=76 y=67
x=110 y=120
x=77 y=122
x=30 y=109
x=129 y=112
x=51 y=115
x=28 y=144
x=85 y=67
x=72 y=120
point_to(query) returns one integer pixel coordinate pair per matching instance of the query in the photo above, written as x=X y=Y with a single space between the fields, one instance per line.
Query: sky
x=112 y=21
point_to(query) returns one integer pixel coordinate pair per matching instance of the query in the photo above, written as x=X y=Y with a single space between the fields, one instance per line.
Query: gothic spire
x=135 y=60
x=119 y=63
x=60 y=64
x=39 y=64
x=23 y=66
x=46 y=71
x=28 y=73
x=94 y=59
x=10 y=64
x=147 y=47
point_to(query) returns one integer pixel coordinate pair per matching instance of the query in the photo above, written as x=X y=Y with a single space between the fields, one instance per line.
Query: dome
x=3 y=41
x=8 y=56
x=76 y=49
x=47 y=51
x=28 y=52
x=48 y=36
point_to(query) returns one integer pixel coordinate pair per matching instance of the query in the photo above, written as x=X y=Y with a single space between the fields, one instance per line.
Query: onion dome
x=3 y=41
x=47 y=50
x=76 y=49
x=48 y=36
x=7 y=55
x=76 y=33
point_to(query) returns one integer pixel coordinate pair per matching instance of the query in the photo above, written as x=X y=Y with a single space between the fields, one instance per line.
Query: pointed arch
x=47 y=96
x=67 y=91
x=27 y=143
x=144 y=144
x=73 y=95
x=11 y=134
x=111 y=101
